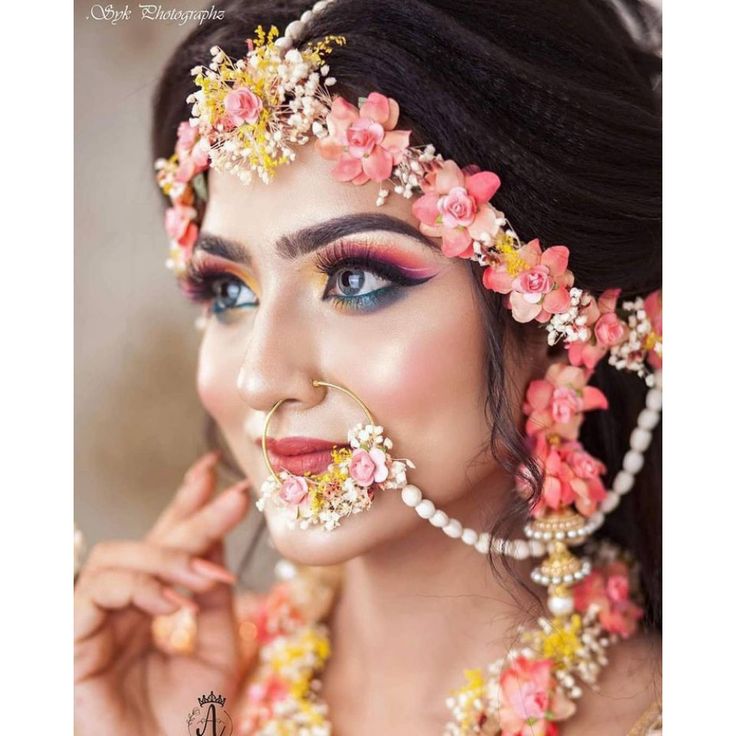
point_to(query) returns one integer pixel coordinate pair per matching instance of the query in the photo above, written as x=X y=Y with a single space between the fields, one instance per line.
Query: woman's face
x=311 y=280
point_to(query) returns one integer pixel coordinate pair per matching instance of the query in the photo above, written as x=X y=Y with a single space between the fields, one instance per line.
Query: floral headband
x=248 y=116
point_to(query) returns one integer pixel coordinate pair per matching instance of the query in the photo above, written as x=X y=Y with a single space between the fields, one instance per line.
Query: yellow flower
x=563 y=642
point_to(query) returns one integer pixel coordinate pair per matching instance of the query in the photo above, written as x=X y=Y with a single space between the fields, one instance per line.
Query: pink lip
x=300 y=455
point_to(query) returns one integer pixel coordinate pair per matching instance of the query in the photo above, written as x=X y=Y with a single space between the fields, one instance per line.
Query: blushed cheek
x=217 y=383
x=434 y=364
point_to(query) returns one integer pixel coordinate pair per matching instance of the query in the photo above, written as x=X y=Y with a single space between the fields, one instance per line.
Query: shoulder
x=628 y=699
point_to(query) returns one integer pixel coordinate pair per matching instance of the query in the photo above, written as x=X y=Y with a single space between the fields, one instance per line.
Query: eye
x=230 y=293
x=358 y=281
x=355 y=281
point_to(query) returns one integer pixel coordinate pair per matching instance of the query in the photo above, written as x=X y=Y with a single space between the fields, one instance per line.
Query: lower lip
x=308 y=462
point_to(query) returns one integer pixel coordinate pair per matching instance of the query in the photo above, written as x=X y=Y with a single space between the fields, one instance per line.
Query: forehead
x=301 y=193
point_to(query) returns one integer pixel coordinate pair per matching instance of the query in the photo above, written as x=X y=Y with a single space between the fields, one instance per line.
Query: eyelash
x=199 y=281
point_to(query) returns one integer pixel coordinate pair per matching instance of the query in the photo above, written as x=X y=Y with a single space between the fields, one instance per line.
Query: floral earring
x=348 y=485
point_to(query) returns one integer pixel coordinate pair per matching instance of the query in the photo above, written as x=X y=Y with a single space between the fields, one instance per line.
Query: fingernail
x=181 y=600
x=212 y=570
x=229 y=499
x=205 y=463
x=241 y=486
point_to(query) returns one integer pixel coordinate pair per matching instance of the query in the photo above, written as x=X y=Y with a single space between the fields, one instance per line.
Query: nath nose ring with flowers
x=347 y=486
x=248 y=117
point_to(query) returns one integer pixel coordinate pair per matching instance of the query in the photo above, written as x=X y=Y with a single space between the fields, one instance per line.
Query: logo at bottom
x=210 y=718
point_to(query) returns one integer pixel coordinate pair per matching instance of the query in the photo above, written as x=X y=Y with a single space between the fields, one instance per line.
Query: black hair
x=558 y=98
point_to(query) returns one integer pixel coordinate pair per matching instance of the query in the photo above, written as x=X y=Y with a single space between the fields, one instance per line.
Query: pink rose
x=584 y=466
x=293 y=490
x=186 y=135
x=555 y=404
x=539 y=290
x=362 y=136
x=566 y=403
x=571 y=476
x=609 y=330
x=362 y=468
x=192 y=150
x=608 y=589
x=457 y=208
x=242 y=105
x=180 y=227
x=367 y=468
x=363 y=140
x=534 y=283
x=617 y=588
x=530 y=698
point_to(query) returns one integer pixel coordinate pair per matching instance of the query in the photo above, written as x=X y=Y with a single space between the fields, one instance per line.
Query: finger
x=195 y=490
x=174 y=565
x=208 y=525
x=217 y=634
x=105 y=591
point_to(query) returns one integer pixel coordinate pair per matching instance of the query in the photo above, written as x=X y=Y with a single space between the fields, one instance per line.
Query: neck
x=416 y=612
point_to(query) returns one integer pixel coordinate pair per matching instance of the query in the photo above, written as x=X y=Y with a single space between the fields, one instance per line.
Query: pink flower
x=367 y=468
x=243 y=105
x=192 y=151
x=606 y=329
x=555 y=404
x=608 y=588
x=455 y=206
x=530 y=698
x=609 y=330
x=539 y=288
x=653 y=308
x=180 y=227
x=294 y=490
x=617 y=588
x=363 y=140
x=571 y=477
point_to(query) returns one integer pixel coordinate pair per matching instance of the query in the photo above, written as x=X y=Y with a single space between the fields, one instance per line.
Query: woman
x=315 y=298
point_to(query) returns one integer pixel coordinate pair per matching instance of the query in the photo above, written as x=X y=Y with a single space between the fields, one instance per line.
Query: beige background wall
x=138 y=422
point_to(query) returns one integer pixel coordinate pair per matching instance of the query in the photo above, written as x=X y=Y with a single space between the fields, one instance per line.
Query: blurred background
x=138 y=420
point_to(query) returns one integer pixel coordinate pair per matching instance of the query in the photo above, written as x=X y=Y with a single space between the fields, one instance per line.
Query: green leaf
x=199 y=184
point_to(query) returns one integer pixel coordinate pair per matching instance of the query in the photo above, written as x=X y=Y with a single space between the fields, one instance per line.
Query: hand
x=123 y=683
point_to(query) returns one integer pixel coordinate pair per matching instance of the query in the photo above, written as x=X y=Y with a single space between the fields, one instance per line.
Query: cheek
x=217 y=373
x=423 y=377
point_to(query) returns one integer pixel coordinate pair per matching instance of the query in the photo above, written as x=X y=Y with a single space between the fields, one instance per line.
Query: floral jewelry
x=348 y=486
x=248 y=116
x=529 y=691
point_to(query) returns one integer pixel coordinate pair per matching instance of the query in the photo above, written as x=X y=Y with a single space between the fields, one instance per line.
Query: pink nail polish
x=203 y=465
x=212 y=570
x=241 y=486
x=181 y=600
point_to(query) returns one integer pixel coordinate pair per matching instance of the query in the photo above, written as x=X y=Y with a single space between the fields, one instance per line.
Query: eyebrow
x=308 y=239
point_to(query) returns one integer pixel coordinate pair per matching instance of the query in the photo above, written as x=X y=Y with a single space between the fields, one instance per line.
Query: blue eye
x=355 y=281
x=231 y=293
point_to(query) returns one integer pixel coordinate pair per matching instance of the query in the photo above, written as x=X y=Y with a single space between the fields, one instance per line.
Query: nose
x=278 y=360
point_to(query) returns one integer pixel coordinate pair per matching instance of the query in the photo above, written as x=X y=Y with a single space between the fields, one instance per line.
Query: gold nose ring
x=273 y=409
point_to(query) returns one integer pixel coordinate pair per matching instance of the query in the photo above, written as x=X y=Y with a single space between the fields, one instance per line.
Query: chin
x=386 y=520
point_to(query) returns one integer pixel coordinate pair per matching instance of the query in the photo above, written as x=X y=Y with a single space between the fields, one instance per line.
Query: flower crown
x=248 y=116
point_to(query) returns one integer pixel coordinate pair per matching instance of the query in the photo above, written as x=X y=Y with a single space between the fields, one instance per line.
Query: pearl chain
x=296 y=27
x=536 y=546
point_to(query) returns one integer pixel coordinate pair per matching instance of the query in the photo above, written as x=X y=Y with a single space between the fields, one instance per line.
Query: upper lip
x=289 y=446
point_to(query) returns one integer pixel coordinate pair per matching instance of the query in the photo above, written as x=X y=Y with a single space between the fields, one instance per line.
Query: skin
x=412 y=598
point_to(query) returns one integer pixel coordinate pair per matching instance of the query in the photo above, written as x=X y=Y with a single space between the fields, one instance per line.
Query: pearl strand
x=296 y=27
x=641 y=438
x=521 y=549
